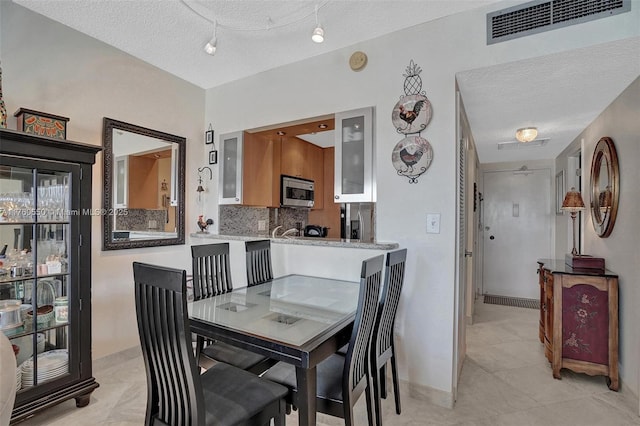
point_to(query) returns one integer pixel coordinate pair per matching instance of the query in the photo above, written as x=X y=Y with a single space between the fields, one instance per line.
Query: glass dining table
x=297 y=319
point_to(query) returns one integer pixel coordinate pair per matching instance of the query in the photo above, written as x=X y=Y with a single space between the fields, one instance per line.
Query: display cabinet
x=45 y=267
x=353 y=171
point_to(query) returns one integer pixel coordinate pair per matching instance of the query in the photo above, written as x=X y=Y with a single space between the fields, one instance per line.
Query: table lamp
x=573 y=204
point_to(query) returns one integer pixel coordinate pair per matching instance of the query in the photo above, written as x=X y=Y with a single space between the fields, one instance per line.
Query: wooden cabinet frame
x=610 y=369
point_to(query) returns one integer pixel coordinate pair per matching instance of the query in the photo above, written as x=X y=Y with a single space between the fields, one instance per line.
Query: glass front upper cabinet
x=230 y=179
x=354 y=156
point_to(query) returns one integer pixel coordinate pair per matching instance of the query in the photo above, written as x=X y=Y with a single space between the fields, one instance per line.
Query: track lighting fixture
x=318 y=33
x=212 y=44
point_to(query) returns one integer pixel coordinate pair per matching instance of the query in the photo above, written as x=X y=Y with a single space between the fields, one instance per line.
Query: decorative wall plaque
x=41 y=123
x=412 y=156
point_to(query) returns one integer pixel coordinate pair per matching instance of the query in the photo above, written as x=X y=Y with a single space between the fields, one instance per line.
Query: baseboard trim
x=427 y=393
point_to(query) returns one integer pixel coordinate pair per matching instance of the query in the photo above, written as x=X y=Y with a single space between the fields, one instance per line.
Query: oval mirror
x=144 y=179
x=605 y=183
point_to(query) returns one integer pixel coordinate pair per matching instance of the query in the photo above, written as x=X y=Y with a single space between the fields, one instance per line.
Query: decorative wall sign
x=412 y=156
x=41 y=123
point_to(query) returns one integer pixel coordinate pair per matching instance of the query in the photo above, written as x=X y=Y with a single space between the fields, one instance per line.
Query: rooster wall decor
x=412 y=156
x=204 y=224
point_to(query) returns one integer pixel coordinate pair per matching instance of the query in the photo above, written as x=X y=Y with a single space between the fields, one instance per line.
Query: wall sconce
x=200 y=188
x=573 y=204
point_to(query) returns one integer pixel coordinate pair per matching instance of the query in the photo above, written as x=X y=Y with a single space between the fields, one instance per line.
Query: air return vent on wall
x=540 y=16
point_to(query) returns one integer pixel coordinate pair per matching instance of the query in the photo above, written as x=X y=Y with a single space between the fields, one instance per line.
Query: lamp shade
x=572 y=201
x=526 y=134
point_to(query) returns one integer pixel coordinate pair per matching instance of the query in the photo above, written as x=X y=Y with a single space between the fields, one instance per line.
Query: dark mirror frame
x=601 y=201
x=107 y=200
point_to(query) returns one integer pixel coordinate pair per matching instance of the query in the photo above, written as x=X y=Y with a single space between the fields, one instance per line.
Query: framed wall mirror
x=144 y=180
x=605 y=187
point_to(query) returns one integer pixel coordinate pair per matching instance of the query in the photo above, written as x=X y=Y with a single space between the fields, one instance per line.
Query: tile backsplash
x=242 y=220
x=141 y=219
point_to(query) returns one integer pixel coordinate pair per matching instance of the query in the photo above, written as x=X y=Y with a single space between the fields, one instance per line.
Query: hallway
x=505 y=381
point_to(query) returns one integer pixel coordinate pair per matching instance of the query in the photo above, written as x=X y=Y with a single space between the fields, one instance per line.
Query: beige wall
x=49 y=67
x=621 y=249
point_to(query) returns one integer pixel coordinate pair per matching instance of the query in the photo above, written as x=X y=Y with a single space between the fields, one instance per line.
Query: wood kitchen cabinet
x=294 y=158
x=579 y=319
x=252 y=164
x=261 y=172
x=302 y=159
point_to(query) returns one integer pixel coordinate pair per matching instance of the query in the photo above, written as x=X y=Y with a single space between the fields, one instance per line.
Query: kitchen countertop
x=303 y=241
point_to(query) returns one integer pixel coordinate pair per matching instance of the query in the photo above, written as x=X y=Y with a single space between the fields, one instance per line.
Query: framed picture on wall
x=559 y=192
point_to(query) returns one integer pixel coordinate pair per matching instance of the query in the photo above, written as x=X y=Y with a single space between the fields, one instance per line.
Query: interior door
x=517 y=221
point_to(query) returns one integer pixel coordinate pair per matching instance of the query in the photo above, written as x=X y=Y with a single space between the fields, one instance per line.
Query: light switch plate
x=433 y=223
x=262 y=225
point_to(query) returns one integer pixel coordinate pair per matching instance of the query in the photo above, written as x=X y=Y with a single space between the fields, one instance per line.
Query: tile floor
x=505 y=381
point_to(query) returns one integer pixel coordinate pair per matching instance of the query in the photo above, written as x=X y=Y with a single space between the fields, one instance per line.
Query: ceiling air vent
x=540 y=16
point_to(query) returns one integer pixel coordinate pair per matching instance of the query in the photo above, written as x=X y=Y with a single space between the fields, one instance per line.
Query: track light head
x=318 y=34
x=211 y=46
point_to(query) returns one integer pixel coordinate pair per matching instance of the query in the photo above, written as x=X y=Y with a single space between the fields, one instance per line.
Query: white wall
x=621 y=250
x=49 y=67
x=325 y=84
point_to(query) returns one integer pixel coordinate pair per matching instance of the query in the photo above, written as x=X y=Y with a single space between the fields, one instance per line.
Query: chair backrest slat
x=173 y=382
x=258 y=262
x=385 y=321
x=357 y=357
x=211 y=270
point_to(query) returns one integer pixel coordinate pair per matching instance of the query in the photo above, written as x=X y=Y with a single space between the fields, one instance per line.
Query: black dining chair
x=177 y=394
x=382 y=344
x=342 y=379
x=211 y=277
x=258 y=262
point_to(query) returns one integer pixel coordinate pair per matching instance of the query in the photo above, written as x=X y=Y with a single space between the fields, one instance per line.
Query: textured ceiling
x=560 y=94
x=171 y=35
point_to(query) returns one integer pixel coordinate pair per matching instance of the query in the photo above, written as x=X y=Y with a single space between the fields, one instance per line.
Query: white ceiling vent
x=540 y=16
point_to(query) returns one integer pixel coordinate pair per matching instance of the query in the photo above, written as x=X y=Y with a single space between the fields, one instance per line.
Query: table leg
x=306 y=382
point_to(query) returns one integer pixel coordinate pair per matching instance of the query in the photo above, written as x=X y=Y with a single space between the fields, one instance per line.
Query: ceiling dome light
x=526 y=134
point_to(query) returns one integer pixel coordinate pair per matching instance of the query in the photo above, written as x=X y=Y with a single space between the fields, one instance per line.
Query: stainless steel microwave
x=296 y=192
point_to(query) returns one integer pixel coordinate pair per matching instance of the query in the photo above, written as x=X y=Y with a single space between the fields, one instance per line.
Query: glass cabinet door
x=354 y=156
x=36 y=227
x=230 y=181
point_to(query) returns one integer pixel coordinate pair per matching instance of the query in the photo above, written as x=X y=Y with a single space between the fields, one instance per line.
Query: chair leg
x=396 y=382
x=199 y=347
x=375 y=385
x=371 y=416
x=279 y=420
x=383 y=381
